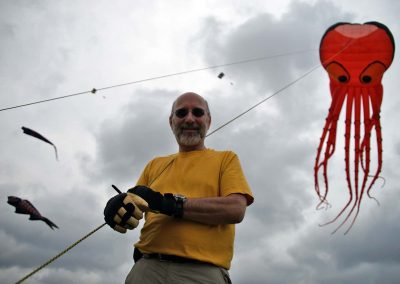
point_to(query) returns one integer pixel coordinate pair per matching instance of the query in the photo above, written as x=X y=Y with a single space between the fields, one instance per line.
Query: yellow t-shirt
x=205 y=173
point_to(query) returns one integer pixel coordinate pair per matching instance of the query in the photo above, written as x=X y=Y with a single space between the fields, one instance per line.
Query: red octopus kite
x=355 y=57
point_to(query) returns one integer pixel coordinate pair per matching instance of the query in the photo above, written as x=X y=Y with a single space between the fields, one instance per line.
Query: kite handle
x=116 y=188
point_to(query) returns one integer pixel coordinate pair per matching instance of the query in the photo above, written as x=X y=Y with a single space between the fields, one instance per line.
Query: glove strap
x=168 y=206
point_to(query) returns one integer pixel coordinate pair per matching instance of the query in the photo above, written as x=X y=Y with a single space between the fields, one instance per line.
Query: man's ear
x=209 y=122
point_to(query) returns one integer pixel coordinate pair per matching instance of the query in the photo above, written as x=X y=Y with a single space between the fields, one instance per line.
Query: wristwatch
x=180 y=200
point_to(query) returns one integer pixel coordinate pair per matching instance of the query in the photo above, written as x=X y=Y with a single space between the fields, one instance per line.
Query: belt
x=170 y=258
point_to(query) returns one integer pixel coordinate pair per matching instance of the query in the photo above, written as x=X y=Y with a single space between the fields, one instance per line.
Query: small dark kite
x=23 y=206
x=33 y=133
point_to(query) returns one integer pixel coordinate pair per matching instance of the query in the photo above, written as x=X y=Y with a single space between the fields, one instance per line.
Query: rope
x=60 y=254
x=264 y=100
x=84 y=237
x=94 y=90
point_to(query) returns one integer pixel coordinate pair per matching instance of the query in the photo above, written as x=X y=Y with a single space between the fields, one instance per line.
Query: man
x=192 y=200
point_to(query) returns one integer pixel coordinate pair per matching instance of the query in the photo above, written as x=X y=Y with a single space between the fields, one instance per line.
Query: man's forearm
x=216 y=210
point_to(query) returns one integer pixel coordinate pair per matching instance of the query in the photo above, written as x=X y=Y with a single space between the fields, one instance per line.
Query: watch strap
x=180 y=200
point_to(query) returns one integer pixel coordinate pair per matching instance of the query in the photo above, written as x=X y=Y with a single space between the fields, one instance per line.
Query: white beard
x=189 y=140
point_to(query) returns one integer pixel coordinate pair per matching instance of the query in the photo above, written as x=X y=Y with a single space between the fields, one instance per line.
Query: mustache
x=190 y=126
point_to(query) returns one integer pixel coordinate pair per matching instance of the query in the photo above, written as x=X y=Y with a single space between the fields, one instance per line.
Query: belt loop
x=137 y=254
x=161 y=258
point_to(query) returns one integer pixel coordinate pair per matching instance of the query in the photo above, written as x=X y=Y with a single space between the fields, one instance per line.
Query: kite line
x=60 y=254
x=94 y=90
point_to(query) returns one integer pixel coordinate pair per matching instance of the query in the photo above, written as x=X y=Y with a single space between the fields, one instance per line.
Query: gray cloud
x=299 y=29
x=126 y=144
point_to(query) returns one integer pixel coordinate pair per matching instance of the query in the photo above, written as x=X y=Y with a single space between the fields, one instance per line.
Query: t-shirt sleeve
x=233 y=179
x=144 y=177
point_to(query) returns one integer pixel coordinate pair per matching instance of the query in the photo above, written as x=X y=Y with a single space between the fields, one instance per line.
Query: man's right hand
x=123 y=211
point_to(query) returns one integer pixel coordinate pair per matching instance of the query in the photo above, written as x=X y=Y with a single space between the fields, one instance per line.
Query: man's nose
x=190 y=117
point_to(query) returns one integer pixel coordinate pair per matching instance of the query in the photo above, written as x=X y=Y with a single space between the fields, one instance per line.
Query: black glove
x=122 y=211
x=166 y=204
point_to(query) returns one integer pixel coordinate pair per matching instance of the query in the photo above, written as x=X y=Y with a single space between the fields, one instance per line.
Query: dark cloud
x=297 y=31
x=280 y=186
x=127 y=142
x=370 y=244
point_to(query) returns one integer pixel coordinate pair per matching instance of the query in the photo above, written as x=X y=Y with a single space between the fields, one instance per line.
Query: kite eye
x=373 y=73
x=366 y=79
x=337 y=72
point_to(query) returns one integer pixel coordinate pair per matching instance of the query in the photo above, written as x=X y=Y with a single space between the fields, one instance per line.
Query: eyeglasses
x=182 y=112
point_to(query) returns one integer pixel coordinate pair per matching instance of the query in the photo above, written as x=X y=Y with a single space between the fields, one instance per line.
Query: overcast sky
x=51 y=49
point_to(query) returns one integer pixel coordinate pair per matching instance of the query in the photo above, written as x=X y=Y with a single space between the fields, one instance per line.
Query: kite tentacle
x=357 y=153
x=330 y=126
x=347 y=135
x=376 y=122
x=376 y=101
x=366 y=143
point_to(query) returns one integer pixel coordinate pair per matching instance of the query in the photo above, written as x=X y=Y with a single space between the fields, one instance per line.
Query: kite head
x=12 y=200
x=357 y=54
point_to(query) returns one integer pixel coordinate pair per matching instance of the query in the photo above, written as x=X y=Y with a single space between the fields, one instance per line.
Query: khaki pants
x=153 y=271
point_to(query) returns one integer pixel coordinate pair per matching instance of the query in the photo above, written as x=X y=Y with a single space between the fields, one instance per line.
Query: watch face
x=180 y=197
